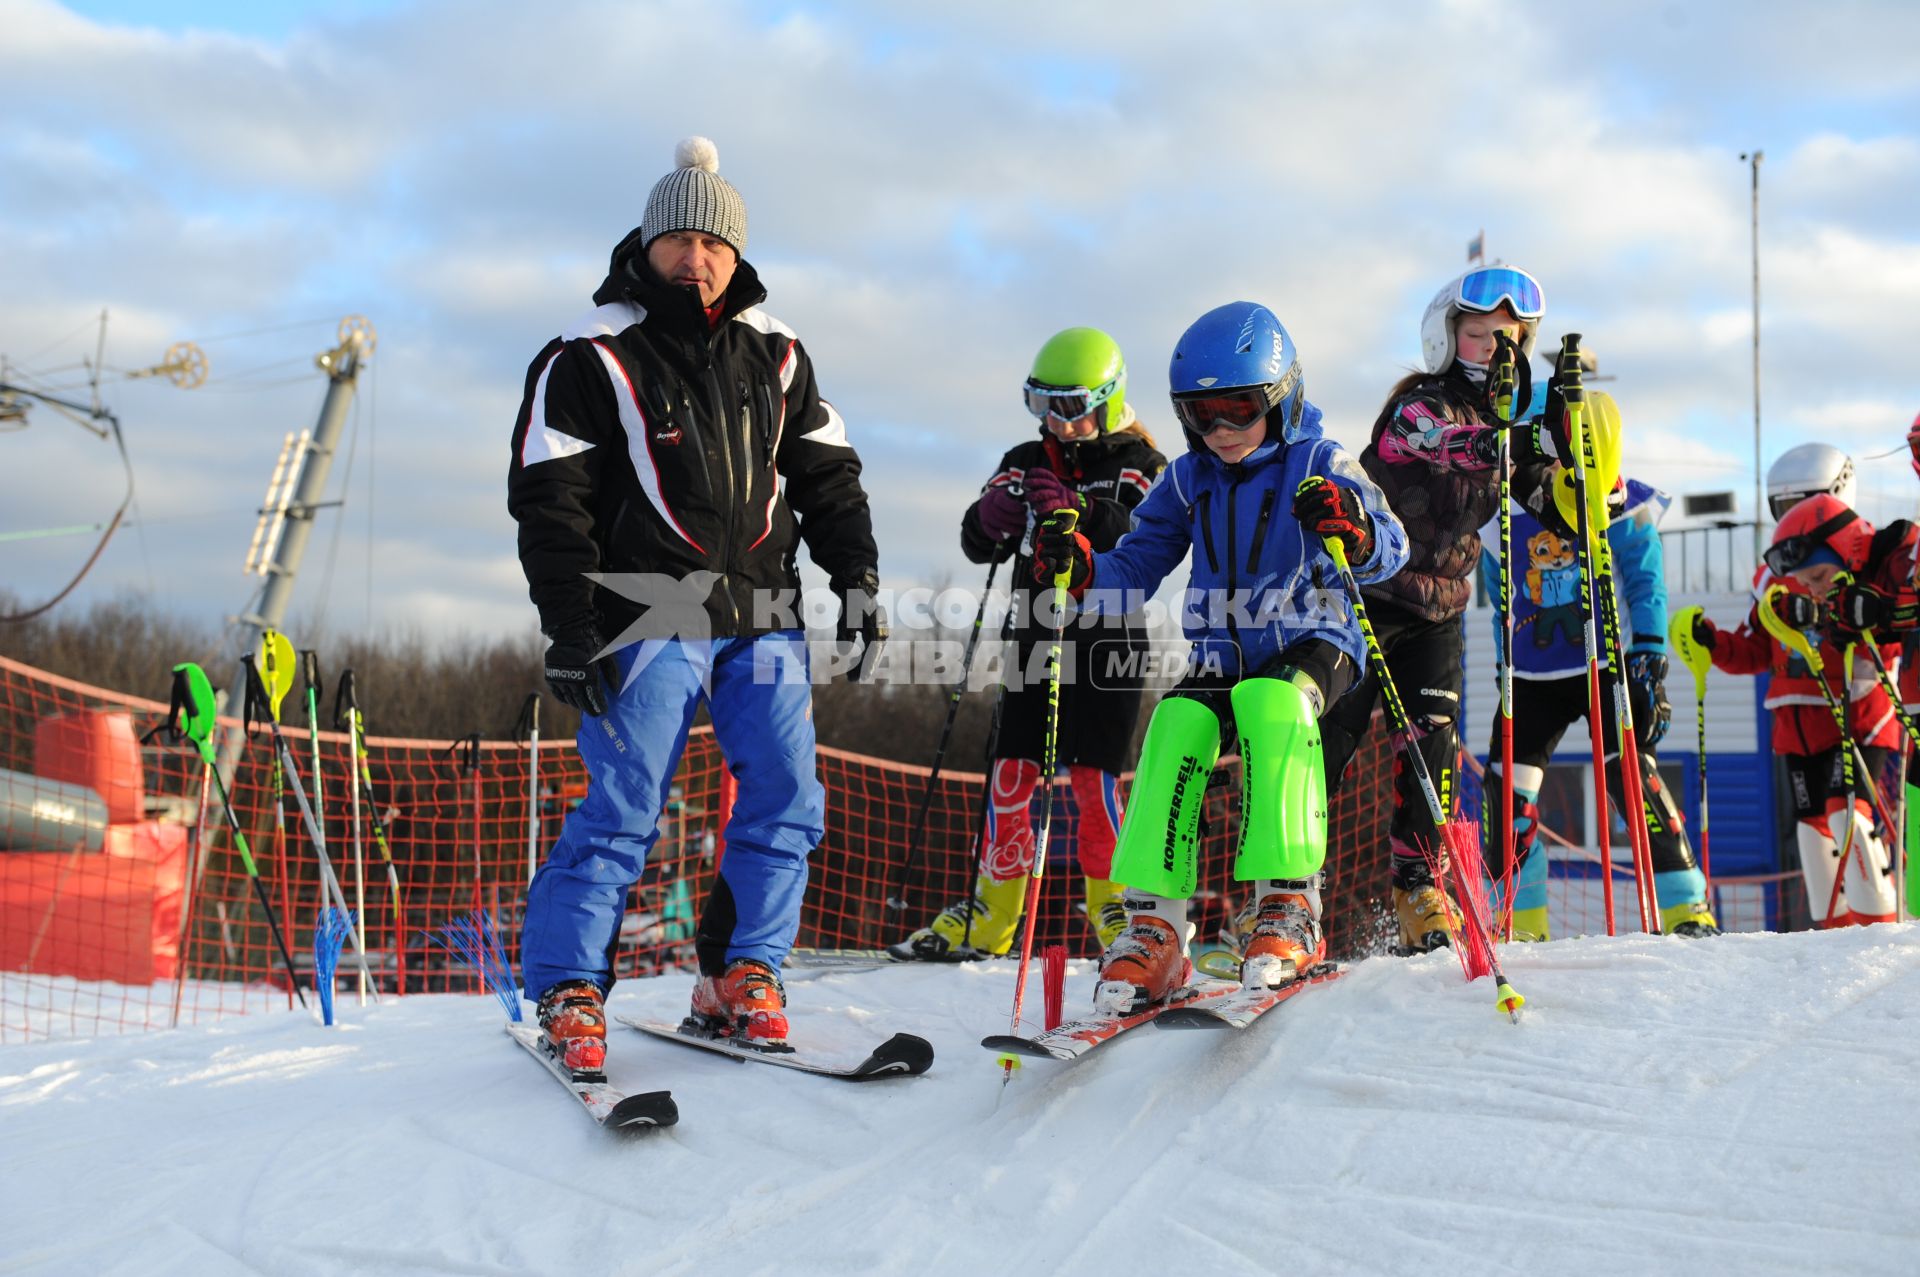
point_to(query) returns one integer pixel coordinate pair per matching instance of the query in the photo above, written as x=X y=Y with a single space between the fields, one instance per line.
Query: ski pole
x=191 y=717
x=277 y=660
x=1604 y=588
x=310 y=666
x=1459 y=853
x=528 y=726
x=1066 y=518
x=1792 y=639
x=1574 y=397
x=360 y=776
x=343 y=693
x=1505 y=387
x=909 y=875
x=985 y=810
x=329 y=881
x=1697 y=660
x=466 y=756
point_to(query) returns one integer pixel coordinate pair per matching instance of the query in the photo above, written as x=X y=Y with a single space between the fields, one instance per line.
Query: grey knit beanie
x=694 y=197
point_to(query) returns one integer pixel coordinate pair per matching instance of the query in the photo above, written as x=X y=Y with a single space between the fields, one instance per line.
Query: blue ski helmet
x=1240 y=346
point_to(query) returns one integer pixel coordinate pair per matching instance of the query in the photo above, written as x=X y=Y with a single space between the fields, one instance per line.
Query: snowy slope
x=1744 y=1104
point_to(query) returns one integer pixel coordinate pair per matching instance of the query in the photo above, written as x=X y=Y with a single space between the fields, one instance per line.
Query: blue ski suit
x=1259 y=584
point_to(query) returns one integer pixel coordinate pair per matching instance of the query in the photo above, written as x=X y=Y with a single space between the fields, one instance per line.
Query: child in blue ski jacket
x=1550 y=692
x=1274 y=644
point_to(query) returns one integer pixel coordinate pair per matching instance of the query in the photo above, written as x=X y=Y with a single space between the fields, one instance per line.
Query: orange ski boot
x=746 y=1002
x=573 y=1014
x=1143 y=966
x=1286 y=940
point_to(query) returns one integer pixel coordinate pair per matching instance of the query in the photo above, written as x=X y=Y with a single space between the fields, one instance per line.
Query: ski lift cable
x=119 y=513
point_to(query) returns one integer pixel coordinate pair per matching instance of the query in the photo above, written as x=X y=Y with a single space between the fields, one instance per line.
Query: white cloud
x=930 y=198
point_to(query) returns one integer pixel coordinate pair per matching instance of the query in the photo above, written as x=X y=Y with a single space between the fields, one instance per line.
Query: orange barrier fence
x=104 y=929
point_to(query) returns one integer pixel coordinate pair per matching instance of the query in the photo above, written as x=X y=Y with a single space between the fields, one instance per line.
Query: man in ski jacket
x=1550 y=691
x=671 y=454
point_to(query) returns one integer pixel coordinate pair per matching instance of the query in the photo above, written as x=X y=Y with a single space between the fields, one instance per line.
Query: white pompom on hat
x=694 y=197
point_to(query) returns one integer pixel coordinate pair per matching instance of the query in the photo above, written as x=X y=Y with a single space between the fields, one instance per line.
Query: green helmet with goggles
x=1080 y=371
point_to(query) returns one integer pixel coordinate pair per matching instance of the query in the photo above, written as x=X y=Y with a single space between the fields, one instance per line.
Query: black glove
x=1648 y=672
x=1703 y=631
x=1058 y=547
x=861 y=616
x=576 y=665
x=1328 y=510
x=1505 y=348
x=1567 y=376
x=1535 y=440
x=1858 y=607
x=1799 y=610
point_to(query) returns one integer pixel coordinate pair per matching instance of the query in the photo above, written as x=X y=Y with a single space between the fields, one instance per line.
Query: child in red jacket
x=1816 y=542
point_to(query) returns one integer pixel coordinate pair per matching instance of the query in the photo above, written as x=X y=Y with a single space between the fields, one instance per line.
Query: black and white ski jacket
x=651 y=441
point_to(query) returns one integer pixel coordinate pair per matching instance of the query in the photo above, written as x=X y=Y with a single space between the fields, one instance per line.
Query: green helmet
x=1077 y=372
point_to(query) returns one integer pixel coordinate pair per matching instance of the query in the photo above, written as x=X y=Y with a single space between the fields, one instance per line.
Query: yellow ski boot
x=1427 y=918
x=1106 y=914
x=1691 y=918
x=980 y=926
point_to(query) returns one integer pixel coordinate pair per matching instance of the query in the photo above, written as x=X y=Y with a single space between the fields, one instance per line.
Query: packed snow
x=1742 y=1104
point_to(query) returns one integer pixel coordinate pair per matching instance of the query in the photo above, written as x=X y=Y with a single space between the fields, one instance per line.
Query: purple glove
x=1002 y=514
x=1046 y=493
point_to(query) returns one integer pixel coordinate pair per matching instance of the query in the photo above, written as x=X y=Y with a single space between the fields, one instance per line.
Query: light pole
x=1753 y=159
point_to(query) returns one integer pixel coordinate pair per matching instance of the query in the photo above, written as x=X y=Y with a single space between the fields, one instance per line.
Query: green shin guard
x=1158 y=851
x=1913 y=850
x=1283 y=791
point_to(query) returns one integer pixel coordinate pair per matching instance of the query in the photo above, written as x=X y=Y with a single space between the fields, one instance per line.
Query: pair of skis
x=1205 y=1004
x=620 y=1113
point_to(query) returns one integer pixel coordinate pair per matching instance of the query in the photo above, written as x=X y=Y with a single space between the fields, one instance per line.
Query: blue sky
x=932 y=193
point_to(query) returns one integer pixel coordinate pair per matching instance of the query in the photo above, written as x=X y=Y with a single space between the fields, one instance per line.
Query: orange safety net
x=104 y=929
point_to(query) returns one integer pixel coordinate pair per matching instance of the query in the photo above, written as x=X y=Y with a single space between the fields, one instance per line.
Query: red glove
x=1046 y=493
x=1328 y=510
x=1058 y=548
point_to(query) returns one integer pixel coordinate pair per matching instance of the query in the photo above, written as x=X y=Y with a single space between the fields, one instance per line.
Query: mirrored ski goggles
x=1233 y=410
x=1067 y=403
x=1790 y=553
x=1491 y=287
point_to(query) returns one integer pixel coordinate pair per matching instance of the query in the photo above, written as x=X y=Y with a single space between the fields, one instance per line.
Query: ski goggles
x=1234 y=410
x=1066 y=403
x=1789 y=553
x=1491 y=287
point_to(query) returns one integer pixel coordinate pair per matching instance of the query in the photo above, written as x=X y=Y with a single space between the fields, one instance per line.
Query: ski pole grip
x=343 y=703
x=1790 y=638
x=310 y=667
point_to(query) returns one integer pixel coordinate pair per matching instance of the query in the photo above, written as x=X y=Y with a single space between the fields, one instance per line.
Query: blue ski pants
x=761 y=702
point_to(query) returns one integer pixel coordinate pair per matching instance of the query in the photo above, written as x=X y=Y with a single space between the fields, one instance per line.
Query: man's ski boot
x=1427 y=918
x=1286 y=940
x=1106 y=909
x=746 y=1003
x=980 y=926
x=573 y=1015
x=1148 y=961
x=1692 y=919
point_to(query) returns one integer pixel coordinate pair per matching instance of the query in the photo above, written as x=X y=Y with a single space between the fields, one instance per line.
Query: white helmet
x=1482 y=290
x=1806 y=471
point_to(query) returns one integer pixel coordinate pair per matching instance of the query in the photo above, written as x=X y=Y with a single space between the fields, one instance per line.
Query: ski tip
x=638 y=1114
x=904 y=1054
